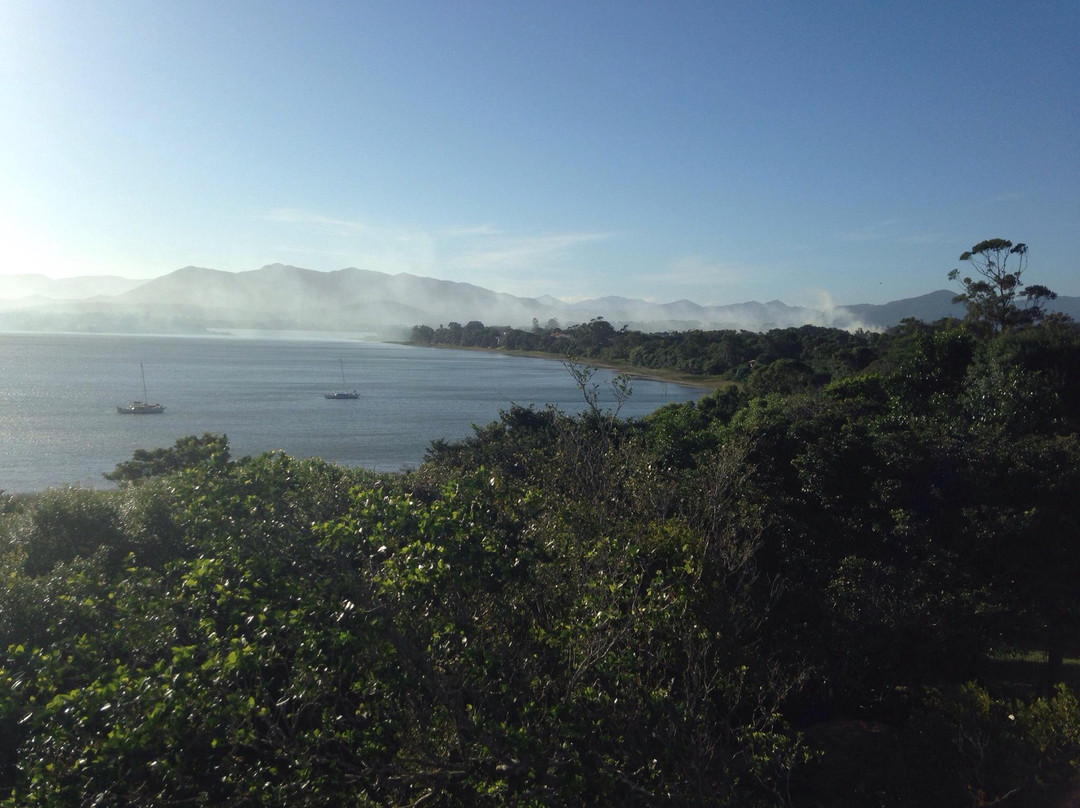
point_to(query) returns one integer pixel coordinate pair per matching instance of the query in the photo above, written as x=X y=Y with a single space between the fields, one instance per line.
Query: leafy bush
x=63 y=524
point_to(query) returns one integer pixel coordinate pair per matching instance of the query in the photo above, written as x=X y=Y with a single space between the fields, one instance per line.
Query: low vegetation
x=787 y=593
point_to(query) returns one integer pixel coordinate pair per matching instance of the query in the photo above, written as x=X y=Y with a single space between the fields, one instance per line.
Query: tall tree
x=991 y=299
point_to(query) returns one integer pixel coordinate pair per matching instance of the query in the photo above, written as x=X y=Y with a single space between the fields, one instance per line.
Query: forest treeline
x=994 y=298
x=728 y=354
x=823 y=596
x=808 y=354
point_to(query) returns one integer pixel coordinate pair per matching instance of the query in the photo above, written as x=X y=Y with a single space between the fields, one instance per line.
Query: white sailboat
x=342 y=394
x=141 y=407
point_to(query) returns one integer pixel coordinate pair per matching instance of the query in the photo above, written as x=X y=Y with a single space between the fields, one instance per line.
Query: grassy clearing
x=1029 y=668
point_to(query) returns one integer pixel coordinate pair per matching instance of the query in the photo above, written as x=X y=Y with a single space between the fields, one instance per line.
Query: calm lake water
x=58 y=397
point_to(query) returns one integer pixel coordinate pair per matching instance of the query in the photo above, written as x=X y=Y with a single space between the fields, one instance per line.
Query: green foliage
x=986 y=748
x=474 y=643
x=64 y=524
x=185 y=453
x=827 y=352
x=1050 y=728
x=784 y=376
x=422 y=335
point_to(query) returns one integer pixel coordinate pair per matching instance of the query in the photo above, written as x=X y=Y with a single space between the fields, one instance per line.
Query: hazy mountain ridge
x=278 y=296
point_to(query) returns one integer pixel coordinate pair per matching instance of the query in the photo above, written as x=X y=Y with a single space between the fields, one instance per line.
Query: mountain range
x=360 y=301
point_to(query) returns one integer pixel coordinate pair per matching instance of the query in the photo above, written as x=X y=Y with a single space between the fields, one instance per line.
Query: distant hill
x=935 y=306
x=280 y=297
x=928 y=308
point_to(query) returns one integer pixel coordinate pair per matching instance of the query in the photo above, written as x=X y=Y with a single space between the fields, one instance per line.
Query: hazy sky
x=716 y=151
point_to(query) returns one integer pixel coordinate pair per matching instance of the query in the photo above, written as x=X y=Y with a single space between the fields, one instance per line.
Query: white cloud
x=476 y=253
x=927 y=238
x=322 y=222
x=527 y=265
x=696 y=277
x=317 y=220
x=356 y=242
x=872 y=232
x=524 y=252
x=889 y=230
x=466 y=231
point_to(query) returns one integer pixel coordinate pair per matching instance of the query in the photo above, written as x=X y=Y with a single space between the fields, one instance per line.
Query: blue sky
x=715 y=151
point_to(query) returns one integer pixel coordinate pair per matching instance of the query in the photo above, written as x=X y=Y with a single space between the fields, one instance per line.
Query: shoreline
x=705 y=383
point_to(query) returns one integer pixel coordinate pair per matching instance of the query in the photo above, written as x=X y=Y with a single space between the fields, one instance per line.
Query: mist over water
x=58 y=397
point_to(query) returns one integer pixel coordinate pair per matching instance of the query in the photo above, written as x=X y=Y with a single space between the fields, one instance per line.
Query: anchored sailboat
x=141 y=407
x=342 y=394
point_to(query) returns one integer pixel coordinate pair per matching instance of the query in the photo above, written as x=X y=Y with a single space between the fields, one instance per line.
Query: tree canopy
x=992 y=297
x=186 y=452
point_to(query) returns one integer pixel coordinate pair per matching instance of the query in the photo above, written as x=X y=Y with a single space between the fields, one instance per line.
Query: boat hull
x=140 y=408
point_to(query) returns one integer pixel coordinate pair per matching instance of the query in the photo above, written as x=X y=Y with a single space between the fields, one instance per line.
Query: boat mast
x=143 y=372
x=340 y=362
